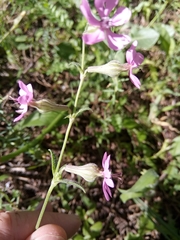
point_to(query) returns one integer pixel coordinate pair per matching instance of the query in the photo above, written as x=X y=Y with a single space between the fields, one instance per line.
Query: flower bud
x=112 y=68
x=88 y=171
x=45 y=105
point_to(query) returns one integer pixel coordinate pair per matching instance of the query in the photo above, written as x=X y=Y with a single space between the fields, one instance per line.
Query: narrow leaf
x=53 y=161
x=72 y=183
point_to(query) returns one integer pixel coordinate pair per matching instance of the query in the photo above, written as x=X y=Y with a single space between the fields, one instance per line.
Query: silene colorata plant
x=100 y=27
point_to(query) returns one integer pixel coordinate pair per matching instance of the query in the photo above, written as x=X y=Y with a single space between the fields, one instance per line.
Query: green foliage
x=146 y=37
x=9 y=202
x=145 y=182
x=37 y=119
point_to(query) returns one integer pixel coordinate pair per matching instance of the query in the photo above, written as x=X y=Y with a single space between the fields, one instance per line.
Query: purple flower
x=90 y=171
x=25 y=98
x=107 y=181
x=102 y=27
x=134 y=59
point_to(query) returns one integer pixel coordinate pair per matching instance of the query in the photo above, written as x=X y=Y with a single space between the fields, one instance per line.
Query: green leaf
x=146 y=37
x=131 y=236
x=53 y=162
x=119 y=56
x=166 y=33
x=83 y=109
x=38 y=119
x=72 y=183
x=117 y=122
x=22 y=38
x=78 y=237
x=129 y=123
x=3 y=177
x=23 y=46
x=77 y=65
x=96 y=227
x=146 y=181
x=175 y=151
x=66 y=50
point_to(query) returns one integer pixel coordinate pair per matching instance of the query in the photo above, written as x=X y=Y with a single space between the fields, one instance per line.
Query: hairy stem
x=52 y=186
x=58 y=171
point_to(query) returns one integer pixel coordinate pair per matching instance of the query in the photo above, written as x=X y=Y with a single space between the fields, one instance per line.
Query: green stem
x=15 y=25
x=83 y=56
x=73 y=116
x=159 y=13
x=53 y=184
x=82 y=75
x=34 y=142
x=71 y=120
x=57 y=173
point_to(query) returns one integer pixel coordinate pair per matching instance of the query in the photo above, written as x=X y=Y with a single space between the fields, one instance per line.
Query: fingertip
x=48 y=232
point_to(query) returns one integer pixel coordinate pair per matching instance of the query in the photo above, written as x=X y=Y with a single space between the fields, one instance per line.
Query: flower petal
x=117 y=41
x=86 y=11
x=104 y=159
x=23 y=99
x=134 y=79
x=134 y=58
x=23 y=109
x=106 y=163
x=95 y=37
x=106 y=191
x=18 y=118
x=104 y=7
x=29 y=87
x=22 y=86
x=109 y=182
x=25 y=92
x=121 y=16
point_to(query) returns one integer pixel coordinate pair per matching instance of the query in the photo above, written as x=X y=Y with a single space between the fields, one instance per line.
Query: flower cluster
x=100 y=30
x=102 y=27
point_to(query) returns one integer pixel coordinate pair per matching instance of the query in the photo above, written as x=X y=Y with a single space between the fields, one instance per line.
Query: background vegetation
x=139 y=128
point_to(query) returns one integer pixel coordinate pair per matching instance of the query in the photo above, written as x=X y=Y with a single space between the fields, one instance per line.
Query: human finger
x=18 y=225
x=48 y=232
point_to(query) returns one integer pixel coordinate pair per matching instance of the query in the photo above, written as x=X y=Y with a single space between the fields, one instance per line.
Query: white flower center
x=106 y=23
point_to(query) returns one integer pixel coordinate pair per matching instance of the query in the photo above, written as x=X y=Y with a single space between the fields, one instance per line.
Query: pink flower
x=107 y=181
x=25 y=98
x=102 y=27
x=134 y=59
x=90 y=172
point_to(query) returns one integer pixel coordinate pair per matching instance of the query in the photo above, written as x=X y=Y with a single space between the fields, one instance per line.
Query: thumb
x=48 y=232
